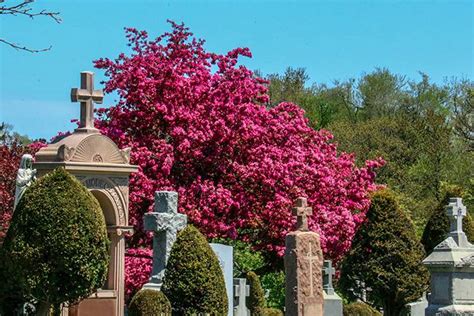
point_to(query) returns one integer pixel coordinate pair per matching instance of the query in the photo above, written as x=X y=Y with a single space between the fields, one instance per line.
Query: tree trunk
x=390 y=309
x=43 y=309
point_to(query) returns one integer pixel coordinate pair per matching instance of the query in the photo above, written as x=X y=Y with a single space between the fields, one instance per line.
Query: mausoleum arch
x=107 y=206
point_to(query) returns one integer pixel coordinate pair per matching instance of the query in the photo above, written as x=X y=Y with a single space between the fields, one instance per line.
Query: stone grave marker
x=164 y=222
x=332 y=301
x=303 y=267
x=451 y=265
x=225 y=254
x=241 y=292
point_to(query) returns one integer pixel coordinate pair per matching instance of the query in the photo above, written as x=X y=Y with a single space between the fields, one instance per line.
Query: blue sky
x=331 y=39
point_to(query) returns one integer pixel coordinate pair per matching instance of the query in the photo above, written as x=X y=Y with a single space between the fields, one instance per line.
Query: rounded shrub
x=149 y=302
x=384 y=263
x=256 y=299
x=437 y=227
x=359 y=309
x=194 y=282
x=56 y=249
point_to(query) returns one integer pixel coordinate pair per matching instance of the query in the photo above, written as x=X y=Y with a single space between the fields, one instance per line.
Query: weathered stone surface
x=164 y=222
x=417 y=308
x=241 y=292
x=303 y=267
x=332 y=301
x=451 y=266
x=225 y=254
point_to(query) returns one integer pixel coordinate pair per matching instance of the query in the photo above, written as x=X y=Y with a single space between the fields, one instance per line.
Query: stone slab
x=225 y=254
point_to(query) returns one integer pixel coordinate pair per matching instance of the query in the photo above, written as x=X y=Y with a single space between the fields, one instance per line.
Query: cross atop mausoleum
x=456 y=211
x=302 y=211
x=87 y=96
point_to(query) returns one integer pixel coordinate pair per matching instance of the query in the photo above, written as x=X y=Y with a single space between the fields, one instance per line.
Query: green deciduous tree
x=384 y=265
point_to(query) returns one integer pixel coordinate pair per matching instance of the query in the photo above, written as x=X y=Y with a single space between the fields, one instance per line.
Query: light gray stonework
x=241 y=292
x=451 y=265
x=225 y=254
x=417 y=308
x=332 y=301
x=164 y=222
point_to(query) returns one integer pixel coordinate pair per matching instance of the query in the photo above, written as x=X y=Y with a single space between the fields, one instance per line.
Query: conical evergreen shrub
x=194 y=282
x=149 y=303
x=384 y=263
x=56 y=249
x=437 y=227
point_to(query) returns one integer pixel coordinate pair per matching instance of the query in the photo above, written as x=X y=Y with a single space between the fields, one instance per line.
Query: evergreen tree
x=384 y=265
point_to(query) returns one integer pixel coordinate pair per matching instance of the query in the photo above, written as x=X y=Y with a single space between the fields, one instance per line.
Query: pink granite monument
x=104 y=169
x=303 y=267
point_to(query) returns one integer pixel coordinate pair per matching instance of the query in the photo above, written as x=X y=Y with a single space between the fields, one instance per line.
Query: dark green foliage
x=194 y=282
x=437 y=228
x=256 y=299
x=359 y=309
x=56 y=249
x=267 y=311
x=274 y=282
x=149 y=303
x=385 y=256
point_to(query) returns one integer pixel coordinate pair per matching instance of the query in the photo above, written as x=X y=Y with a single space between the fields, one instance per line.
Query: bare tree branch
x=23 y=9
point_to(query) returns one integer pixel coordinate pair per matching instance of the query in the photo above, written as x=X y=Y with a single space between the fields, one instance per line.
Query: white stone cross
x=165 y=222
x=87 y=96
x=241 y=292
x=456 y=211
x=329 y=271
x=311 y=258
x=302 y=211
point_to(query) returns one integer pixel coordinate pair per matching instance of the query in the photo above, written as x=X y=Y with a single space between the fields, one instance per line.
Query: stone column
x=303 y=267
x=451 y=265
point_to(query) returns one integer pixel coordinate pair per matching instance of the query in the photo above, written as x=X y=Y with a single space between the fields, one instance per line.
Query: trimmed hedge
x=385 y=257
x=56 y=249
x=149 y=302
x=194 y=282
x=437 y=227
x=359 y=309
x=256 y=298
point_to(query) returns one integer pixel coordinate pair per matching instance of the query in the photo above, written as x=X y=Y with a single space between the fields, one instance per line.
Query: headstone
x=303 y=267
x=451 y=265
x=164 y=222
x=417 y=308
x=332 y=301
x=241 y=292
x=225 y=254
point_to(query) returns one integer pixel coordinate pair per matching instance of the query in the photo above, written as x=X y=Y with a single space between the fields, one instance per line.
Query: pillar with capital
x=303 y=266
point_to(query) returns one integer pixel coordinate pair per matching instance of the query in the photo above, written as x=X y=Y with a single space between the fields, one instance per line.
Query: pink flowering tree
x=198 y=123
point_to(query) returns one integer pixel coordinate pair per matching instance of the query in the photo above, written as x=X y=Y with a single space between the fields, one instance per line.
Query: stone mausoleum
x=104 y=169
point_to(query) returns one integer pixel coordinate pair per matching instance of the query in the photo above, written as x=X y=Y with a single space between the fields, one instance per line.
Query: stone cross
x=165 y=222
x=87 y=96
x=312 y=260
x=241 y=292
x=302 y=211
x=456 y=211
x=329 y=271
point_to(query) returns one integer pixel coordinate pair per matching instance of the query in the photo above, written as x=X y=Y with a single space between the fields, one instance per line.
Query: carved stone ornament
x=65 y=152
x=448 y=243
x=467 y=261
x=126 y=154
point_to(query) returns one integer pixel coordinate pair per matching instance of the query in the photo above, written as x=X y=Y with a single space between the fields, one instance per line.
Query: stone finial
x=302 y=211
x=87 y=96
x=456 y=211
x=329 y=271
x=164 y=222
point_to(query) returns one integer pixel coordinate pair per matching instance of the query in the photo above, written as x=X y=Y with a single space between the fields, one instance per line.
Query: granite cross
x=165 y=222
x=86 y=95
x=456 y=211
x=329 y=271
x=241 y=292
x=301 y=211
x=311 y=258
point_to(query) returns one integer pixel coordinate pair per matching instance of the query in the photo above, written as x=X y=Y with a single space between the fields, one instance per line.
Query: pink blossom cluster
x=199 y=124
x=138 y=265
